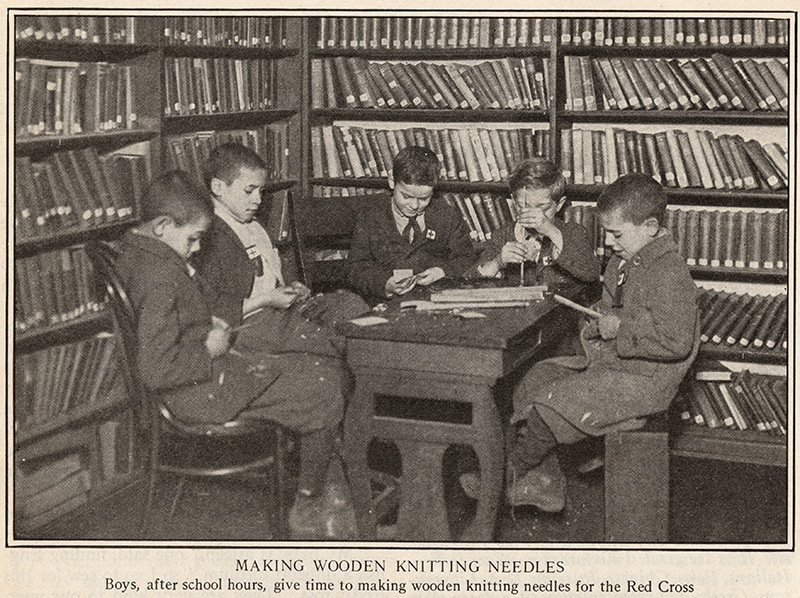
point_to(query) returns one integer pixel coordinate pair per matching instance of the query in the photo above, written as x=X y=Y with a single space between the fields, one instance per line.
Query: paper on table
x=368 y=321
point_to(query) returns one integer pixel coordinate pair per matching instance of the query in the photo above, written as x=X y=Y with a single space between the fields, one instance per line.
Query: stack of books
x=683 y=158
x=716 y=83
x=217 y=85
x=68 y=98
x=354 y=82
x=53 y=287
x=225 y=32
x=738 y=401
x=50 y=490
x=76 y=189
x=465 y=154
x=660 y=32
x=75 y=28
x=190 y=151
x=55 y=380
x=433 y=32
x=736 y=320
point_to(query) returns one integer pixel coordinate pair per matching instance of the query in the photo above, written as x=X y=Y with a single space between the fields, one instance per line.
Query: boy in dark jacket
x=184 y=350
x=539 y=244
x=636 y=354
x=414 y=239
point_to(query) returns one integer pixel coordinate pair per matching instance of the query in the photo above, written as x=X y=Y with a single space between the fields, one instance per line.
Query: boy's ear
x=390 y=178
x=217 y=186
x=652 y=226
x=160 y=223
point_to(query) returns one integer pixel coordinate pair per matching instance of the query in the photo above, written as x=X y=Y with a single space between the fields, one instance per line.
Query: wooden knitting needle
x=584 y=310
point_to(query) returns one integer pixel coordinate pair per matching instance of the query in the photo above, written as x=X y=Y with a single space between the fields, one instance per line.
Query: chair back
x=316 y=226
x=103 y=257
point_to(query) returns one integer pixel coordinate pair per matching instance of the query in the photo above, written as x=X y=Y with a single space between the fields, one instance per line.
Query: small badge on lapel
x=252 y=252
x=430 y=234
x=547 y=260
x=621 y=278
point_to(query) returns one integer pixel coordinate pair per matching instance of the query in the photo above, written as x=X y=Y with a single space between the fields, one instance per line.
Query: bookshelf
x=692 y=50
x=86 y=136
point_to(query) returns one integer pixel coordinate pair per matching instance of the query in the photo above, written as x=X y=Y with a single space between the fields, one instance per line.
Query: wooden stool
x=637 y=483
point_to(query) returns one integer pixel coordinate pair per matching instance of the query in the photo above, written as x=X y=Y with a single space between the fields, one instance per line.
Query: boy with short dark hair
x=539 y=244
x=414 y=239
x=183 y=349
x=636 y=353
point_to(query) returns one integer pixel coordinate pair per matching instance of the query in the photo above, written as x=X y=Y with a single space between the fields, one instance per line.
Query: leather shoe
x=544 y=486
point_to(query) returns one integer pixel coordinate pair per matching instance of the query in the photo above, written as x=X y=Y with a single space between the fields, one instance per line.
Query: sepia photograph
x=339 y=299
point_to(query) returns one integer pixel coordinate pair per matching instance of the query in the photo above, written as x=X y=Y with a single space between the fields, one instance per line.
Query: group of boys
x=221 y=335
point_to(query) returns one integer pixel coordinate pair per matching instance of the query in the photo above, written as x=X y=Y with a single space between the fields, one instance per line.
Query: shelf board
x=431 y=53
x=711 y=197
x=81 y=51
x=223 y=121
x=73 y=418
x=25 y=247
x=740 y=446
x=50 y=143
x=734 y=117
x=380 y=183
x=744 y=274
x=228 y=52
x=55 y=334
x=279 y=186
x=776 y=356
x=430 y=115
x=693 y=51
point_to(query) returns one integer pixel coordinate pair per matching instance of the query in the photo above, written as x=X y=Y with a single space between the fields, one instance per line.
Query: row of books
x=683 y=158
x=76 y=189
x=226 y=32
x=752 y=239
x=737 y=401
x=55 y=380
x=190 y=151
x=644 y=32
x=716 y=83
x=69 y=98
x=217 y=85
x=744 y=320
x=471 y=154
x=433 y=32
x=50 y=490
x=76 y=28
x=53 y=287
x=353 y=82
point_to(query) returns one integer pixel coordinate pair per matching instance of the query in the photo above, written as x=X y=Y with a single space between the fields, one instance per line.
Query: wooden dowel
x=577 y=307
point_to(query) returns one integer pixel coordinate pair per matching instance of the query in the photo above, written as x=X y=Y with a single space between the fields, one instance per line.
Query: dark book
x=766 y=170
x=628 y=89
x=734 y=78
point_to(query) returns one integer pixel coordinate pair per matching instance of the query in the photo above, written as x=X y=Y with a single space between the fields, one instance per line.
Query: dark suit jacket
x=377 y=248
x=173 y=321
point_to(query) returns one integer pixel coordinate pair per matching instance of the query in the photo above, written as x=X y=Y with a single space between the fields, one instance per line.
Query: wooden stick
x=584 y=310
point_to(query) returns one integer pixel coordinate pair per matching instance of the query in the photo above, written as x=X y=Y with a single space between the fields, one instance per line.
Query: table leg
x=357 y=436
x=422 y=514
x=488 y=444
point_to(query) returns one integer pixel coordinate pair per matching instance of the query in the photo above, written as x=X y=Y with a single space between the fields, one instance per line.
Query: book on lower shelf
x=741 y=321
x=49 y=490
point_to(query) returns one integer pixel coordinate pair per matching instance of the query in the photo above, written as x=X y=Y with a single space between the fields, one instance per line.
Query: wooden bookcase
x=294 y=110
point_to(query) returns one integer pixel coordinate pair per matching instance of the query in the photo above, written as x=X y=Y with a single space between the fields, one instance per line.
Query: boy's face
x=410 y=200
x=624 y=237
x=242 y=196
x=184 y=239
x=537 y=200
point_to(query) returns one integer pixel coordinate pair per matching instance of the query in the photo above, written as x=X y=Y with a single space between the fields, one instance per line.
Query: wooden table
x=424 y=382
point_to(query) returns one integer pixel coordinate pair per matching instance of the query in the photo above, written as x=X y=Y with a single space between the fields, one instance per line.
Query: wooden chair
x=186 y=440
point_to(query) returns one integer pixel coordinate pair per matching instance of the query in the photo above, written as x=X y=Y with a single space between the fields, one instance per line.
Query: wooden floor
x=711 y=502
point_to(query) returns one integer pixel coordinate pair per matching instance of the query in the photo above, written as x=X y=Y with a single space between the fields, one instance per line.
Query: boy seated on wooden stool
x=539 y=246
x=415 y=239
x=184 y=350
x=636 y=353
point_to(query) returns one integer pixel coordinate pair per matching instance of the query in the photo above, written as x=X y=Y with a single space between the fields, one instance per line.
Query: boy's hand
x=281 y=297
x=219 y=337
x=513 y=252
x=430 y=276
x=608 y=326
x=401 y=286
x=303 y=292
x=534 y=218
